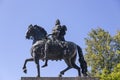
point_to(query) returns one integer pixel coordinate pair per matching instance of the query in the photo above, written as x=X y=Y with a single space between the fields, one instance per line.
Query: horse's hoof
x=60 y=75
x=25 y=70
x=38 y=76
x=85 y=75
x=44 y=65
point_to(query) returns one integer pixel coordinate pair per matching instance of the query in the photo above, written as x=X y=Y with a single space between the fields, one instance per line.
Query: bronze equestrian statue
x=54 y=51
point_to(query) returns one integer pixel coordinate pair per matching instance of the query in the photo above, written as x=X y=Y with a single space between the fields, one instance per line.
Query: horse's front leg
x=24 y=67
x=36 y=59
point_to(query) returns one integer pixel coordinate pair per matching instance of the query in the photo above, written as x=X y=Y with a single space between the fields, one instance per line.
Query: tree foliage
x=102 y=52
x=117 y=43
x=114 y=75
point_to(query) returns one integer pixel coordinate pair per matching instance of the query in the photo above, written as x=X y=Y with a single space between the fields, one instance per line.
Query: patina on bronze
x=55 y=50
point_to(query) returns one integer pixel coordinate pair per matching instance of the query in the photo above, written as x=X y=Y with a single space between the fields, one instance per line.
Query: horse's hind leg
x=69 y=67
x=63 y=71
x=24 y=66
x=76 y=67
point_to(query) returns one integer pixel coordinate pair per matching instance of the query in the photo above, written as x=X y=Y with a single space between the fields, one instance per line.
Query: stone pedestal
x=59 y=78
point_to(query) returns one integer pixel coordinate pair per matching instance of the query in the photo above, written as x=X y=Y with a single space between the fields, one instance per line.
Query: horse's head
x=30 y=32
x=35 y=32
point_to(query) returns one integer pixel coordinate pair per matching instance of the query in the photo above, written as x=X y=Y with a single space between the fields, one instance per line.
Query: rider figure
x=56 y=30
x=58 y=33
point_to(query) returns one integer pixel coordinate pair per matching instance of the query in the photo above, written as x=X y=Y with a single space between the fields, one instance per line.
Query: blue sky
x=80 y=16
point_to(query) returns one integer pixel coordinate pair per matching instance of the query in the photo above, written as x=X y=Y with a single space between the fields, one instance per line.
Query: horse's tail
x=82 y=61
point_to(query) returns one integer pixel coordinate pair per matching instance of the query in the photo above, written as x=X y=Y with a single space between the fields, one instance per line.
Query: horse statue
x=55 y=52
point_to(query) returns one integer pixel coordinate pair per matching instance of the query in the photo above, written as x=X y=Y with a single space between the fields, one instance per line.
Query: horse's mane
x=39 y=28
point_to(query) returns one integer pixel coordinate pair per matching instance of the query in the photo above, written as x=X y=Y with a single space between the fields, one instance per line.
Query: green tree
x=101 y=52
x=117 y=43
x=114 y=75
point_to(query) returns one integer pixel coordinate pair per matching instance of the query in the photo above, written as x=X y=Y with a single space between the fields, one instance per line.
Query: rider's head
x=57 y=22
x=64 y=27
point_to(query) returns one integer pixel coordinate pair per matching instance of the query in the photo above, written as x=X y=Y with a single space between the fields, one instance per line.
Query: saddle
x=59 y=44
